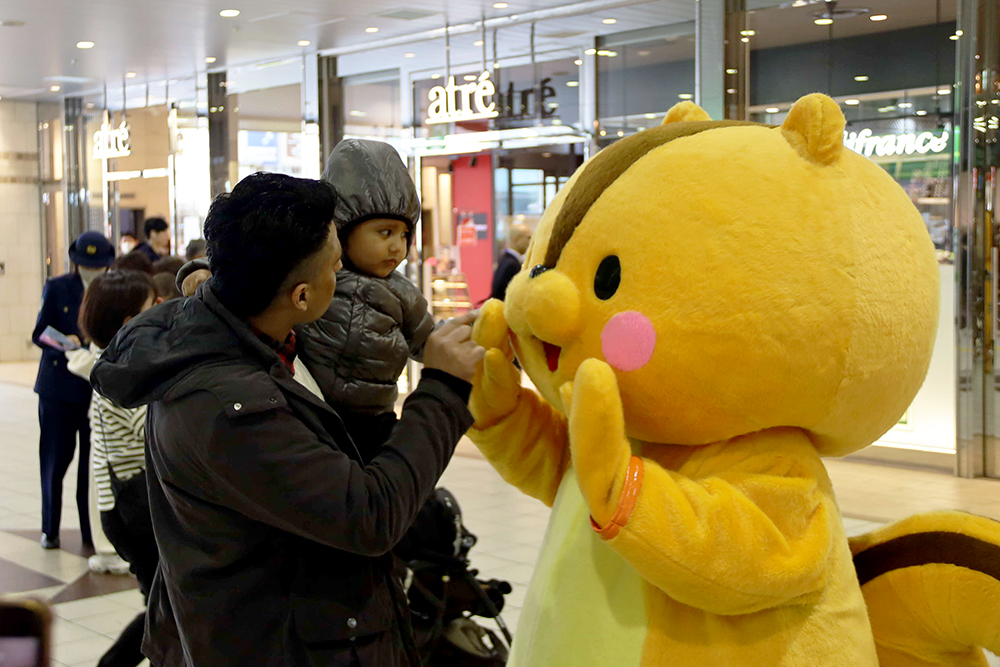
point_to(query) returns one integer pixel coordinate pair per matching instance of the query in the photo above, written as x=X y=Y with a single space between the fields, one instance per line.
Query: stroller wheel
x=467 y=644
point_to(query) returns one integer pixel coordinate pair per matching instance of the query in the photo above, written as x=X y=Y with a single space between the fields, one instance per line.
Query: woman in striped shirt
x=118 y=450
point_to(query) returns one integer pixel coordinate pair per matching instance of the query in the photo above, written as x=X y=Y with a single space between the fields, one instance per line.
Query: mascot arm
x=752 y=532
x=521 y=435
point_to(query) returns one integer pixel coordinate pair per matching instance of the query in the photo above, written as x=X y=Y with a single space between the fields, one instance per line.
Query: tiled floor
x=509 y=525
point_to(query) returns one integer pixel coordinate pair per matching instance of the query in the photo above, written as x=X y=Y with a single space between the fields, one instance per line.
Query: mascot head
x=737 y=277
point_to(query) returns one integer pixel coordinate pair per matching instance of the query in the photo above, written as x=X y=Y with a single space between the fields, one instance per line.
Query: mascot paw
x=598 y=444
x=496 y=386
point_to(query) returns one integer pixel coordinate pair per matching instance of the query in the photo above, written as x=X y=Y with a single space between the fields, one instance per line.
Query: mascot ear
x=815 y=128
x=685 y=111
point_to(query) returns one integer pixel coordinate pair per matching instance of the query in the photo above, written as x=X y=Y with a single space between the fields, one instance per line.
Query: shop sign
x=868 y=143
x=111 y=142
x=471 y=101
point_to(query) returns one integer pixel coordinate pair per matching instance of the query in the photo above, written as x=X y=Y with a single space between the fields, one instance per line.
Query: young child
x=378 y=319
x=118 y=448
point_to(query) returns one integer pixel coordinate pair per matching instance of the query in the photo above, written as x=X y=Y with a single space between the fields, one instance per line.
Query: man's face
x=323 y=281
x=520 y=241
x=160 y=239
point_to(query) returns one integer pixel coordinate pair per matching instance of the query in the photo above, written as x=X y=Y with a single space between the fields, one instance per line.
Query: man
x=274 y=538
x=157 y=244
x=195 y=249
x=511 y=259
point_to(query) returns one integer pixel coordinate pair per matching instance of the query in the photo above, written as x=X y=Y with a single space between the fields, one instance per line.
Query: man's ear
x=300 y=297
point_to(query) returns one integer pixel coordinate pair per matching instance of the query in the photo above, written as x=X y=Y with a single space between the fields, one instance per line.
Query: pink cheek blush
x=628 y=341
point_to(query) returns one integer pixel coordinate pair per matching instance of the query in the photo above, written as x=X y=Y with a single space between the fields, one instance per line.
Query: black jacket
x=273 y=538
x=507 y=268
x=60 y=309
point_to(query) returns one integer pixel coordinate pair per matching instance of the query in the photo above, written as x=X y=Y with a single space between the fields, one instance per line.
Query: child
x=118 y=448
x=378 y=319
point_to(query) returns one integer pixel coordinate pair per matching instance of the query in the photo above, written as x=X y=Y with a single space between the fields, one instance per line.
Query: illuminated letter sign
x=868 y=144
x=472 y=101
x=112 y=142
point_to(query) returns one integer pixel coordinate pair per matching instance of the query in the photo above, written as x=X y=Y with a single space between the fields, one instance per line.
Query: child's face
x=376 y=247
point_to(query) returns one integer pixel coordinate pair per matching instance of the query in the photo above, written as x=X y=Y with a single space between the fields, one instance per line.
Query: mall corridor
x=91 y=609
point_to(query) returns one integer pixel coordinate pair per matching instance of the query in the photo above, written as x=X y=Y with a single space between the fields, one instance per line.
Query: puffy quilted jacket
x=358 y=349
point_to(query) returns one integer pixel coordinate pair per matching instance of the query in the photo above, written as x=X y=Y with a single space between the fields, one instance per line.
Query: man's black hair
x=260 y=232
x=154 y=225
x=195 y=249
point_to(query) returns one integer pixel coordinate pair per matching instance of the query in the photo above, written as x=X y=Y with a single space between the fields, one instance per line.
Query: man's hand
x=452 y=350
x=191 y=283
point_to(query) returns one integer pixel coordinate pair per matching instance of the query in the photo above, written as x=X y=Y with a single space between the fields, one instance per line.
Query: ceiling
x=161 y=40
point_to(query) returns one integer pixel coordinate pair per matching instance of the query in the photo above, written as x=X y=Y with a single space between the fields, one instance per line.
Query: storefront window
x=372 y=106
x=893 y=79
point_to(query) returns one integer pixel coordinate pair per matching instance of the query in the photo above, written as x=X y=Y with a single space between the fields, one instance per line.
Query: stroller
x=444 y=593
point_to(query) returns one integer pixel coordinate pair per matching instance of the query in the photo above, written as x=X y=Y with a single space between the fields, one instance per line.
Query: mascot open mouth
x=552 y=353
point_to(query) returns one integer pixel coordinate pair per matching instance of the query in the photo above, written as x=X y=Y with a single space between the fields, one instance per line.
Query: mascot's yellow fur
x=707 y=309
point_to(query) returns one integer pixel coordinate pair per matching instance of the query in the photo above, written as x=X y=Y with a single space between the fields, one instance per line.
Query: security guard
x=63 y=398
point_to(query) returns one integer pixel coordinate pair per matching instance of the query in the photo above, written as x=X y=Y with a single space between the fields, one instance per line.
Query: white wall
x=20 y=230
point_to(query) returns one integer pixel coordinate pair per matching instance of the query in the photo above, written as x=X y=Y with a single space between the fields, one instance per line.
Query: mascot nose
x=545 y=305
x=538 y=270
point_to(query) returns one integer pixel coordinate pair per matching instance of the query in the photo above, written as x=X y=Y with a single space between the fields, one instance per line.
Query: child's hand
x=496 y=387
x=192 y=282
x=451 y=348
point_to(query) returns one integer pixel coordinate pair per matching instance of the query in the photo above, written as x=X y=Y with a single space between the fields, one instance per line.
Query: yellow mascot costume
x=707 y=309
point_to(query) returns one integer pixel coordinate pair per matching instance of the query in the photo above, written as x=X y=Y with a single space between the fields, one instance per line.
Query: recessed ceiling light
x=823 y=21
x=891 y=107
x=478 y=42
x=84 y=45
x=732 y=71
x=304 y=42
x=470 y=77
x=229 y=13
x=603 y=133
x=643 y=54
x=799 y=3
x=210 y=60
x=959 y=33
x=686 y=96
x=905 y=105
x=877 y=17
x=621 y=133
x=748 y=33
x=852 y=103
x=358 y=114
x=861 y=77
x=921 y=113
x=745 y=40
x=577 y=62
x=435 y=76
x=650 y=116
x=54 y=89
x=954 y=38
x=731 y=91
x=590 y=52
x=772 y=110
x=572 y=84
x=609 y=21
x=409 y=55
x=944 y=91
x=500 y=5
x=130 y=75
x=372 y=29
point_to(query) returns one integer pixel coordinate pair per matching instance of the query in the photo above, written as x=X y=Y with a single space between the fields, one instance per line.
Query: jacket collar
x=262 y=352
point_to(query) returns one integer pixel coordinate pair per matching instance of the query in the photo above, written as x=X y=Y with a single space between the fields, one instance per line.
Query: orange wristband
x=626 y=504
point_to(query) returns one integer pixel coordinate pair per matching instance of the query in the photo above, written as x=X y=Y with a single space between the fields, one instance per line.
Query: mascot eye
x=609 y=277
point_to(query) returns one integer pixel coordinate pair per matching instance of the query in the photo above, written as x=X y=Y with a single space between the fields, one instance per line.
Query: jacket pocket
x=339 y=605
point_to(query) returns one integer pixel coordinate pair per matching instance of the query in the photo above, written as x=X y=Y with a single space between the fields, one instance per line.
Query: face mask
x=88 y=275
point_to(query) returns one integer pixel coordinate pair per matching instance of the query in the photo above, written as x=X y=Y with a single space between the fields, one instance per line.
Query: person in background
x=166 y=290
x=195 y=250
x=273 y=534
x=134 y=261
x=511 y=260
x=119 y=451
x=157 y=242
x=127 y=243
x=168 y=264
x=63 y=398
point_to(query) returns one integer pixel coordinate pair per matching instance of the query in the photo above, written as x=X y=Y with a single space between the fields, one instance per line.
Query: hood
x=371 y=182
x=163 y=345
